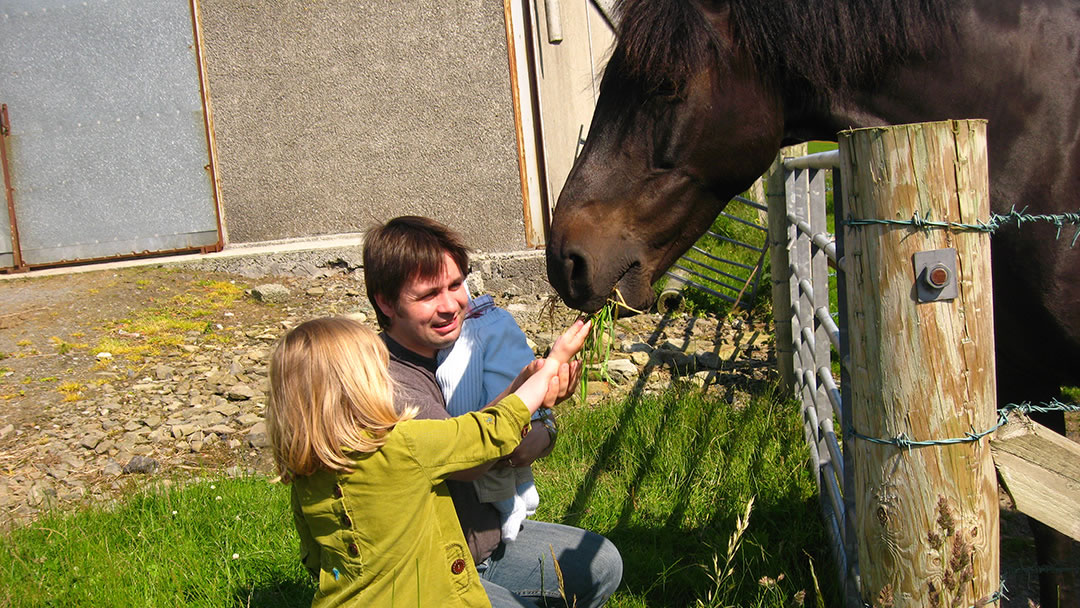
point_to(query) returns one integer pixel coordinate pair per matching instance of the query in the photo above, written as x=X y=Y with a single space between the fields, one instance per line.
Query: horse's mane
x=826 y=43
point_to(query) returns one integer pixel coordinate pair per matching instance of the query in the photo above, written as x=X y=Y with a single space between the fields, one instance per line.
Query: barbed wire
x=902 y=441
x=996 y=221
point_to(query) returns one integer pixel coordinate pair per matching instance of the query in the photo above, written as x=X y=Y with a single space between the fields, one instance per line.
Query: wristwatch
x=548 y=418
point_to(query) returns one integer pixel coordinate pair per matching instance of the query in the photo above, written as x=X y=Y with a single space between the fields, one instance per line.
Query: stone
x=57 y=472
x=249 y=419
x=91 y=440
x=257 y=436
x=7 y=430
x=227 y=409
x=141 y=464
x=622 y=371
x=221 y=429
x=673 y=358
x=271 y=293
x=163 y=372
x=39 y=493
x=708 y=360
x=142 y=449
x=160 y=435
x=640 y=358
x=179 y=431
x=676 y=344
x=239 y=392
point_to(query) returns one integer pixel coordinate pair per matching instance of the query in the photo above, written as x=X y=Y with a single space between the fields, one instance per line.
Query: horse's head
x=682 y=124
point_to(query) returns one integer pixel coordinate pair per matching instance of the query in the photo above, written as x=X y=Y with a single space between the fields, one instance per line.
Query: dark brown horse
x=699 y=95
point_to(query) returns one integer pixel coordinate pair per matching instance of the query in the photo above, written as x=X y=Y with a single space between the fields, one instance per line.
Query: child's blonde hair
x=330 y=393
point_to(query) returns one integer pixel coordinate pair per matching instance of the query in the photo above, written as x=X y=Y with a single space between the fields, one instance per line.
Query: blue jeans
x=521 y=574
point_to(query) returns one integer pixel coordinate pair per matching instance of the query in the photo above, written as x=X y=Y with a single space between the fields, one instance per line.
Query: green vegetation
x=596 y=351
x=63 y=346
x=745 y=268
x=669 y=479
x=164 y=326
x=72 y=391
x=206 y=543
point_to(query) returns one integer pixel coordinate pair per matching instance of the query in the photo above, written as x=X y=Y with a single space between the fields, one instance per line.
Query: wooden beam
x=1041 y=472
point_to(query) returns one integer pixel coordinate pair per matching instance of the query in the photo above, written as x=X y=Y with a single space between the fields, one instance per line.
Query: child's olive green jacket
x=387 y=534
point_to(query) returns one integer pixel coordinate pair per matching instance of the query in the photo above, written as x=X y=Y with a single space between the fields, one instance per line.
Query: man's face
x=428 y=314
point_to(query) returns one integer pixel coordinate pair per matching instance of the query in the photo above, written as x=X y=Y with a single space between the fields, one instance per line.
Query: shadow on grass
x=276 y=594
x=684 y=464
x=606 y=453
x=671 y=566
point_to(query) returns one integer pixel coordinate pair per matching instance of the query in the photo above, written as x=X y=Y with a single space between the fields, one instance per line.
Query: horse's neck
x=1011 y=63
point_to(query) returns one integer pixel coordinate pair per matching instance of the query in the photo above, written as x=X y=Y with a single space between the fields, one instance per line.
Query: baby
x=483 y=361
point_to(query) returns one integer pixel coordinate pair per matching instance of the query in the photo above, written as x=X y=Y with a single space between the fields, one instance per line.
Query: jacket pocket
x=459 y=567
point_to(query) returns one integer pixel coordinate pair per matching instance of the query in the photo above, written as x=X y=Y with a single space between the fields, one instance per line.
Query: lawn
x=665 y=477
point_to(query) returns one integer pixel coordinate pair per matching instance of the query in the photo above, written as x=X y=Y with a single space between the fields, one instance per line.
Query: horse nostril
x=577 y=269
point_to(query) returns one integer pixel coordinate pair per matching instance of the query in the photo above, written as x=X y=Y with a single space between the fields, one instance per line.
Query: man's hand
x=568 y=384
x=536 y=444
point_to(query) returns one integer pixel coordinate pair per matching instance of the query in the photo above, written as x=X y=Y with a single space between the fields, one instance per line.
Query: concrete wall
x=331 y=114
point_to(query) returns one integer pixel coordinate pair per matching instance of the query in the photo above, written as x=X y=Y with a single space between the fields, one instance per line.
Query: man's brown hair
x=405 y=249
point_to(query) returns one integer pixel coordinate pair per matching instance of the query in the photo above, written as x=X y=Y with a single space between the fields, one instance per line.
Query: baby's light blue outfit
x=484 y=360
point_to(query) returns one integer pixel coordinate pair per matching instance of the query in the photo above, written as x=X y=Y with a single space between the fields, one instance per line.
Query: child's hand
x=545 y=382
x=570 y=342
x=527 y=371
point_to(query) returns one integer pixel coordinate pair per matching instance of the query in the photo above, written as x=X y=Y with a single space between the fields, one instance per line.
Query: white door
x=559 y=48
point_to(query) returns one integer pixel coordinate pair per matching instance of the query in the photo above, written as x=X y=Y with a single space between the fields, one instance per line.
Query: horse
x=698 y=96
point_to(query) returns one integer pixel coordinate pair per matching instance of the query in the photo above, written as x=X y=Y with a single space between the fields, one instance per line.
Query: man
x=414 y=269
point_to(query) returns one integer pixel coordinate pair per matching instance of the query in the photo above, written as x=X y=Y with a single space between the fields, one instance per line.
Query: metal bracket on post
x=935 y=275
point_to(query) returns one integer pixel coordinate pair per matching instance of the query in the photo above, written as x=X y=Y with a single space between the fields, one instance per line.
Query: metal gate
x=106 y=139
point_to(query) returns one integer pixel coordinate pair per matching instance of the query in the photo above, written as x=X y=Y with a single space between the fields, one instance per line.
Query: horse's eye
x=667 y=91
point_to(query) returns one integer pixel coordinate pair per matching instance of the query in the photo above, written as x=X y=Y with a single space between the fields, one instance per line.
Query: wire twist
x=996 y=222
x=904 y=442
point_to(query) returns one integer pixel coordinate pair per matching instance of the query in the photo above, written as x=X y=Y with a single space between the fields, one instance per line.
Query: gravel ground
x=78 y=422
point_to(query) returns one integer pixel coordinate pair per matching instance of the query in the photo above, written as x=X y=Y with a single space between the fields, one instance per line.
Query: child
x=377 y=525
x=484 y=360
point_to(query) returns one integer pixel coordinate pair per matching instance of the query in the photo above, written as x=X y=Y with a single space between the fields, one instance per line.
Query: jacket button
x=346 y=521
x=458 y=566
x=337 y=491
x=524 y=431
x=354 y=550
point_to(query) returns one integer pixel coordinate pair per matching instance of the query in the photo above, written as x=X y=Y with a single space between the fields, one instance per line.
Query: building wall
x=330 y=115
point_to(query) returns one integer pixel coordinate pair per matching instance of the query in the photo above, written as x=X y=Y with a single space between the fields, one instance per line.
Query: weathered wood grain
x=926 y=517
x=1041 y=472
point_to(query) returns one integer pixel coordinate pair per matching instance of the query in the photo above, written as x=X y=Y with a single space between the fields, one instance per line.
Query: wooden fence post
x=926 y=516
